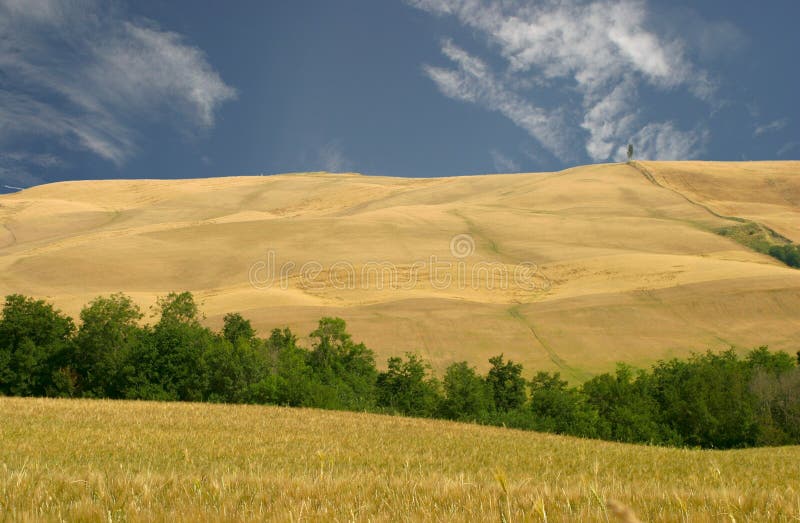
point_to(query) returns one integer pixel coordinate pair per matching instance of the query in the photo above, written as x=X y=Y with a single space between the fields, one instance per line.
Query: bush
x=35 y=344
x=467 y=396
x=407 y=388
x=708 y=400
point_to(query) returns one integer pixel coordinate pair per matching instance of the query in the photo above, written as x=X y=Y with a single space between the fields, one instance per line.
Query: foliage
x=407 y=388
x=765 y=241
x=345 y=370
x=35 y=346
x=507 y=384
x=109 y=328
x=235 y=327
x=467 y=396
x=788 y=254
x=708 y=400
x=626 y=407
x=560 y=409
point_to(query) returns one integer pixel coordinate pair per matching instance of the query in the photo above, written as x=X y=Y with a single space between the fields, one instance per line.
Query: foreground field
x=115 y=461
x=629 y=268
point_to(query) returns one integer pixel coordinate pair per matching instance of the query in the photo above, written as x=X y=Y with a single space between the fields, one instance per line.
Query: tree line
x=710 y=400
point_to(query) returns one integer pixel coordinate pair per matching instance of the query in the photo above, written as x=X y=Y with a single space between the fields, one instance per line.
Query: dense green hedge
x=788 y=254
x=709 y=400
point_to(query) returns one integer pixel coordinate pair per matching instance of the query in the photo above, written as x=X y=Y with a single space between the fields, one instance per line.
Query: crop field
x=629 y=267
x=91 y=460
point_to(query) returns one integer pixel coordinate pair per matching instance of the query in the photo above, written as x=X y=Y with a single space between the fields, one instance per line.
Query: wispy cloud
x=663 y=141
x=46 y=161
x=503 y=163
x=788 y=147
x=603 y=51
x=18 y=168
x=17 y=177
x=473 y=81
x=85 y=76
x=775 y=125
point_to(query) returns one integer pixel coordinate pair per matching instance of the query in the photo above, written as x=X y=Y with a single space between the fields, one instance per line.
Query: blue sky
x=172 y=89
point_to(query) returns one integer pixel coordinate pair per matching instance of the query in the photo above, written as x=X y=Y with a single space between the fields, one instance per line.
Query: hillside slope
x=59 y=460
x=571 y=270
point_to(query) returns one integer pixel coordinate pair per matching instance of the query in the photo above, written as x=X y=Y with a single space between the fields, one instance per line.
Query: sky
x=418 y=88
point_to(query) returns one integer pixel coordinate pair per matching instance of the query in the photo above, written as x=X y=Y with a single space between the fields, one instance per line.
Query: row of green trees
x=709 y=400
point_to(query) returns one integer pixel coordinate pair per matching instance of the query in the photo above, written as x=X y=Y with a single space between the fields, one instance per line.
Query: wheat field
x=630 y=268
x=89 y=460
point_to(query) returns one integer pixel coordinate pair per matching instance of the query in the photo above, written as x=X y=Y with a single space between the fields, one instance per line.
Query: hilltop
x=602 y=263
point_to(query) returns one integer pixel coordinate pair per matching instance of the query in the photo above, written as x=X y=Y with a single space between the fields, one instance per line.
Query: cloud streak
x=16 y=167
x=596 y=56
x=83 y=75
x=473 y=81
x=775 y=125
x=502 y=163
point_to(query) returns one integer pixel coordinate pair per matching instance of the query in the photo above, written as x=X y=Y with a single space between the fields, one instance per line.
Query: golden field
x=90 y=460
x=627 y=267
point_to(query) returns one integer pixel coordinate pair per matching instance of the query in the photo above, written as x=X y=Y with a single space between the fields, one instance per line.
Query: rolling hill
x=569 y=271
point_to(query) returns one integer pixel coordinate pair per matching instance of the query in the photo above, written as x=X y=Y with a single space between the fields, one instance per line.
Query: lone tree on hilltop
x=630 y=152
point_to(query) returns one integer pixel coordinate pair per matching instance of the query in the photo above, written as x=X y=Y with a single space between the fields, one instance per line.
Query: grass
x=132 y=461
x=751 y=234
x=755 y=236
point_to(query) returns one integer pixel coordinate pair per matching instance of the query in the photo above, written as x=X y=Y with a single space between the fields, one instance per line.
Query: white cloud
x=708 y=40
x=473 y=81
x=17 y=168
x=82 y=74
x=787 y=148
x=775 y=125
x=609 y=120
x=502 y=163
x=17 y=177
x=663 y=141
x=46 y=161
x=604 y=51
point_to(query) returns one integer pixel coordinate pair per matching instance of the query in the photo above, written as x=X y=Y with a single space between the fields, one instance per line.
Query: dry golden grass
x=765 y=192
x=637 y=272
x=127 y=461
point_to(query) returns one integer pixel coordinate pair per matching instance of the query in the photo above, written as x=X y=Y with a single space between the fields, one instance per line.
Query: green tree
x=467 y=396
x=235 y=327
x=344 y=369
x=707 y=400
x=236 y=369
x=178 y=308
x=297 y=384
x=773 y=362
x=775 y=383
x=560 y=409
x=627 y=409
x=507 y=384
x=109 y=327
x=180 y=344
x=788 y=254
x=407 y=387
x=35 y=348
